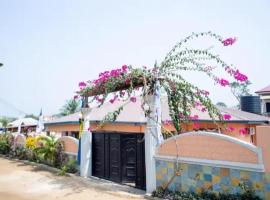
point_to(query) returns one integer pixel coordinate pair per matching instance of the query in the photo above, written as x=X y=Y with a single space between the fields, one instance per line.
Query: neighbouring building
x=265 y=100
x=27 y=125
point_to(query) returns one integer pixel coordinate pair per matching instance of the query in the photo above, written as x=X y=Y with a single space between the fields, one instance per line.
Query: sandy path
x=19 y=181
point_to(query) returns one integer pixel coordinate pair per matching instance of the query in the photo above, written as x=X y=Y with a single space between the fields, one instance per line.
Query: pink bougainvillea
x=194 y=117
x=227 y=116
x=229 y=41
x=181 y=116
x=223 y=82
x=124 y=68
x=182 y=95
x=133 y=99
x=198 y=104
x=203 y=109
x=167 y=122
x=236 y=74
x=230 y=128
x=196 y=125
x=82 y=85
x=114 y=99
x=240 y=77
x=243 y=131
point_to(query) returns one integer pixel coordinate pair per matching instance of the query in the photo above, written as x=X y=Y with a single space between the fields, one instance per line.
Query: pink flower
x=229 y=41
x=196 y=125
x=133 y=99
x=167 y=122
x=122 y=93
x=181 y=116
x=203 y=109
x=223 y=82
x=113 y=99
x=198 y=103
x=90 y=129
x=124 y=68
x=195 y=117
x=82 y=84
x=230 y=128
x=100 y=100
x=227 y=116
x=75 y=97
x=240 y=77
x=243 y=131
x=127 y=81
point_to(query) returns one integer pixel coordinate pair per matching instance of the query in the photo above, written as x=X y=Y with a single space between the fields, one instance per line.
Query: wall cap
x=213 y=163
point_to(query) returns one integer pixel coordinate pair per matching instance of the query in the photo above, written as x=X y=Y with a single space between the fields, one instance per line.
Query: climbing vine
x=121 y=83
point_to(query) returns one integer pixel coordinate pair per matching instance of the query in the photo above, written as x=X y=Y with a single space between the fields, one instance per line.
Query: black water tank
x=251 y=104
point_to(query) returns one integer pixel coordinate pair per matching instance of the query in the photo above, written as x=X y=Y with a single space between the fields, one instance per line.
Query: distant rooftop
x=264 y=90
x=132 y=113
x=23 y=122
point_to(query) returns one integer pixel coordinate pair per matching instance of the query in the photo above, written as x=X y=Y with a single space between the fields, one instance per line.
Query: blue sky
x=47 y=47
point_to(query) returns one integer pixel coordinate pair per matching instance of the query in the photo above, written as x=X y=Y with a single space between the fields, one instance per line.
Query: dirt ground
x=20 y=181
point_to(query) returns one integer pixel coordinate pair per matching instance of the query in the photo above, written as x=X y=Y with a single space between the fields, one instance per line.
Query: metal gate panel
x=115 y=157
x=98 y=155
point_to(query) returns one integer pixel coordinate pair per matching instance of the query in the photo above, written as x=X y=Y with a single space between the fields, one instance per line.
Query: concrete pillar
x=86 y=145
x=153 y=137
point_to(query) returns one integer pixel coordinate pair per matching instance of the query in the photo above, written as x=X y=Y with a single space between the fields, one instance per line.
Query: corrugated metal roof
x=23 y=122
x=132 y=113
x=264 y=90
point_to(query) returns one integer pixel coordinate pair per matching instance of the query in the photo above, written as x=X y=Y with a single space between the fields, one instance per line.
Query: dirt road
x=20 y=181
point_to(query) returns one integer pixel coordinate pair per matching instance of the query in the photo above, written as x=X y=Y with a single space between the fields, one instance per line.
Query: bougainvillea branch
x=119 y=84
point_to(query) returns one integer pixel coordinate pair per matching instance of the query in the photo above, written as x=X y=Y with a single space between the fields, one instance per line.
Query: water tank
x=251 y=104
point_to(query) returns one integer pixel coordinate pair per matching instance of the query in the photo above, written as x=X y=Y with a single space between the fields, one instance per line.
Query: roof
x=23 y=122
x=132 y=113
x=264 y=90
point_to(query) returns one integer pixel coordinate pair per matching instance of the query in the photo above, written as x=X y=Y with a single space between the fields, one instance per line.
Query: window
x=267 y=105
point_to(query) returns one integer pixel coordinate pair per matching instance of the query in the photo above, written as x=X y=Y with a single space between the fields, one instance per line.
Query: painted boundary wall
x=214 y=162
x=20 y=140
x=71 y=146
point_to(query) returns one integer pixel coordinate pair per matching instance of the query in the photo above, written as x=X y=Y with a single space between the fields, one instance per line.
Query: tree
x=31 y=116
x=4 y=121
x=221 y=104
x=240 y=89
x=71 y=106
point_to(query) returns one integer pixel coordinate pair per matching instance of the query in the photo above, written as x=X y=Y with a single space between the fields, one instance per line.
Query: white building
x=265 y=100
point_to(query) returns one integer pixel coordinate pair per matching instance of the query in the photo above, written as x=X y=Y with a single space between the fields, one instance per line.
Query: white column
x=86 y=146
x=153 y=137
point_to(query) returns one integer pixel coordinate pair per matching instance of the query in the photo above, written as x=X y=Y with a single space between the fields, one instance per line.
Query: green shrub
x=20 y=153
x=4 y=144
x=47 y=150
x=69 y=167
x=248 y=194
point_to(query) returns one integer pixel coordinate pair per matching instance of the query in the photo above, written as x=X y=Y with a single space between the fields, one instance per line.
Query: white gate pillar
x=153 y=137
x=86 y=145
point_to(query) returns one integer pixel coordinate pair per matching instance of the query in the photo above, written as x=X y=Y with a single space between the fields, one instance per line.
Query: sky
x=47 y=47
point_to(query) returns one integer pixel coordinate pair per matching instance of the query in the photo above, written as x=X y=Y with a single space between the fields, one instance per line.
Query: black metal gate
x=119 y=158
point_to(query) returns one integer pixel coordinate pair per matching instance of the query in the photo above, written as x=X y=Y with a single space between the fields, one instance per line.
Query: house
x=265 y=100
x=132 y=120
x=26 y=124
x=118 y=148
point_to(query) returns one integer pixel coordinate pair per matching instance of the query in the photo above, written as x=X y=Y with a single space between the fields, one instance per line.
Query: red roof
x=264 y=90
